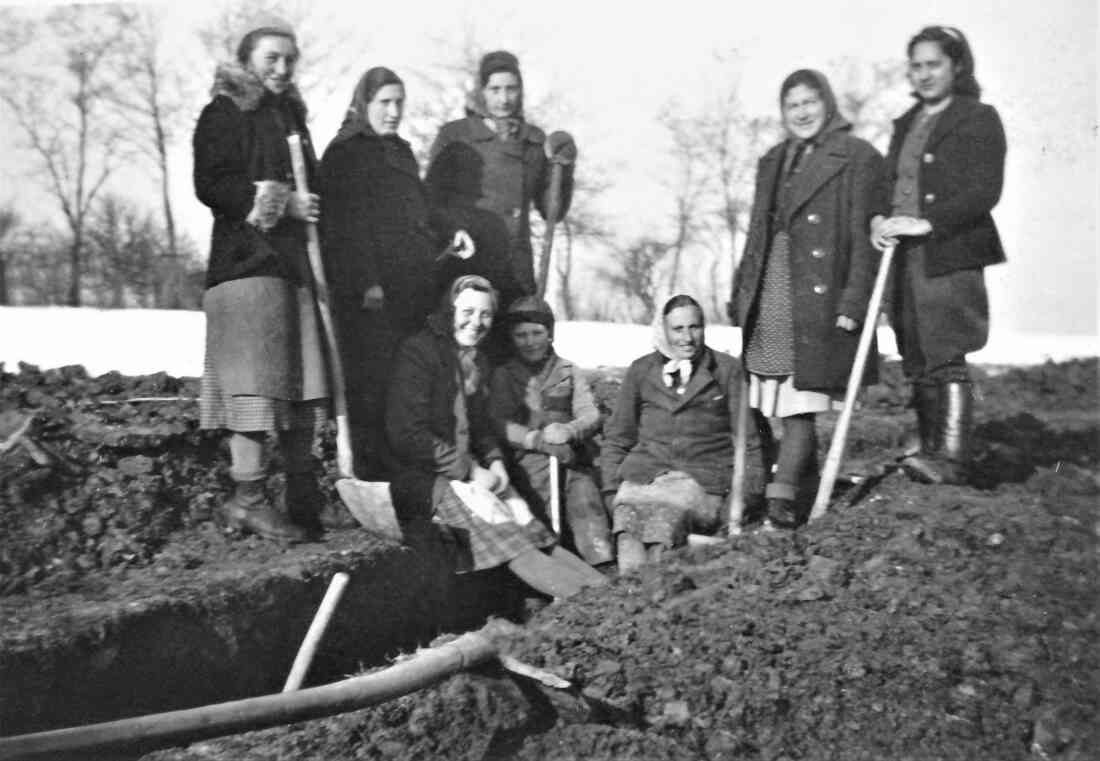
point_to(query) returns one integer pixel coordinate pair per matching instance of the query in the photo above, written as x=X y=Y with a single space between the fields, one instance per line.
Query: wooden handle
x=316 y=631
x=740 y=457
x=840 y=433
x=344 y=455
x=555 y=495
x=553 y=206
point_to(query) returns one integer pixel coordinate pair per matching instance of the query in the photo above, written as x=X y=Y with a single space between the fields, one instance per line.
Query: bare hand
x=373 y=298
x=304 y=206
x=463 y=245
x=556 y=433
x=846 y=323
x=878 y=240
x=905 y=226
x=496 y=468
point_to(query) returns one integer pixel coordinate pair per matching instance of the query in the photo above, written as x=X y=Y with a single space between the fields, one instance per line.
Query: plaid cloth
x=666 y=510
x=480 y=544
x=218 y=409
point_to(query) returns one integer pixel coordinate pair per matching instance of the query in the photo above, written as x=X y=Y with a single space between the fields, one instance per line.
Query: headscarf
x=833 y=119
x=493 y=63
x=355 y=120
x=442 y=322
x=676 y=372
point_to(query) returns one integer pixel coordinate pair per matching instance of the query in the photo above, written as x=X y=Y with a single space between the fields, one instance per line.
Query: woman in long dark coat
x=802 y=287
x=453 y=474
x=263 y=369
x=945 y=173
x=488 y=168
x=381 y=252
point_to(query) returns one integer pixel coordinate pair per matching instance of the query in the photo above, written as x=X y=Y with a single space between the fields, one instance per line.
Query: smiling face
x=502 y=93
x=386 y=108
x=684 y=332
x=532 y=341
x=803 y=112
x=473 y=317
x=272 y=60
x=931 y=72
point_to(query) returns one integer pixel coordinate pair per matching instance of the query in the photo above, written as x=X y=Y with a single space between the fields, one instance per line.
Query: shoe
x=782 y=513
x=249 y=510
x=303 y=501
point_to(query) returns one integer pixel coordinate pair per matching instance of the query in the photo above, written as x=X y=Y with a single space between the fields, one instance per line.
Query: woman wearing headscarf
x=452 y=472
x=801 y=290
x=381 y=252
x=542 y=406
x=264 y=368
x=668 y=447
x=488 y=168
x=945 y=172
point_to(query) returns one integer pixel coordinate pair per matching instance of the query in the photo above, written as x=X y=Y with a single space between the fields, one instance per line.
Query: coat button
x=929 y=158
x=820 y=289
x=813 y=218
x=817 y=253
x=929 y=197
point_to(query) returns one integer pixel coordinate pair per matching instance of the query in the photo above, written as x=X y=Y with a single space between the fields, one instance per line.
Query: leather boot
x=957 y=421
x=249 y=510
x=921 y=461
x=782 y=510
x=307 y=506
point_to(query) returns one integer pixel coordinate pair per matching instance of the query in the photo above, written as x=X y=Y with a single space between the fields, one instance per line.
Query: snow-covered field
x=137 y=341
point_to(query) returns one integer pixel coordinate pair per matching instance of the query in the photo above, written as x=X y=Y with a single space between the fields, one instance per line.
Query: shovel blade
x=370 y=503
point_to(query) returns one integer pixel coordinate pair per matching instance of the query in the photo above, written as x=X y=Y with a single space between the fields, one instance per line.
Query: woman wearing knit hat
x=945 y=172
x=487 y=169
x=264 y=369
x=802 y=287
x=381 y=249
x=542 y=405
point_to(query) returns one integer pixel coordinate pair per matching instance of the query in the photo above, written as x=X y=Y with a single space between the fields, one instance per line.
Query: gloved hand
x=560 y=148
x=563 y=452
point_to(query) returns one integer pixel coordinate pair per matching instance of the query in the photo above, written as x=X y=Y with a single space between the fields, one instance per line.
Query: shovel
x=368 y=501
x=555 y=495
x=553 y=205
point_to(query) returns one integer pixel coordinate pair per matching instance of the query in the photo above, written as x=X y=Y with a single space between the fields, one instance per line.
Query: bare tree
x=870 y=95
x=9 y=220
x=65 y=121
x=123 y=250
x=637 y=275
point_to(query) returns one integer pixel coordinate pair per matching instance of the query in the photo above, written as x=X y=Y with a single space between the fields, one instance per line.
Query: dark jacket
x=832 y=261
x=655 y=430
x=377 y=227
x=241 y=138
x=421 y=425
x=486 y=186
x=960 y=179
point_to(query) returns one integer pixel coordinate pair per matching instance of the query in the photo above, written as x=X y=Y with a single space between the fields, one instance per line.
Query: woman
x=487 y=169
x=668 y=447
x=380 y=251
x=452 y=472
x=263 y=369
x=802 y=287
x=945 y=173
x=542 y=405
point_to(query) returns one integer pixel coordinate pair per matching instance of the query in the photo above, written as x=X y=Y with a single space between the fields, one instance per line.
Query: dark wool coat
x=655 y=430
x=241 y=138
x=832 y=262
x=961 y=176
x=421 y=424
x=486 y=186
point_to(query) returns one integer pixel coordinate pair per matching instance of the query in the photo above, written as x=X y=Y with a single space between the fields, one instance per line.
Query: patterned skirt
x=484 y=535
x=770 y=348
x=666 y=510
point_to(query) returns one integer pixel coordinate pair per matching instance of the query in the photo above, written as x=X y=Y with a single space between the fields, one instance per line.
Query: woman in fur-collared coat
x=945 y=173
x=801 y=290
x=264 y=369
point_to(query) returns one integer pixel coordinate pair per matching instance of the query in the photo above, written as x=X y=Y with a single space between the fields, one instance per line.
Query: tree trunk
x=74 y=268
x=3 y=280
x=565 y=274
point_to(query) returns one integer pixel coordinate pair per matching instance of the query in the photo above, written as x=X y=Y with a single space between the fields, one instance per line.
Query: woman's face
x=502 y=93
x=532 y=341
x=386 y=108
x=684 y=332
x=473 y=317
x=272 y=60
x=931 y=72
x=803 y=112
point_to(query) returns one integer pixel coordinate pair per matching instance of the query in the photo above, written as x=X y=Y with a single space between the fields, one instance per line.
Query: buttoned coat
x=486 y=186
x=654 y=430
x=960 y=180
x=832 y=261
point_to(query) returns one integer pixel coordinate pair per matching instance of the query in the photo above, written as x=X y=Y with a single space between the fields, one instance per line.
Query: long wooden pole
x=553 y=207
x=840 y=433
x=316 y=631
x=555 y=494
x=740 y=461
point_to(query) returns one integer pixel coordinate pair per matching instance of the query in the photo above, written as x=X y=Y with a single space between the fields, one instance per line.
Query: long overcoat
x=832 y=261
x=486 y=186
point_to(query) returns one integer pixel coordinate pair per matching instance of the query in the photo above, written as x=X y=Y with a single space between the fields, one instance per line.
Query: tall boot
x=920 y=462
x=249 y=510
x=957 y=421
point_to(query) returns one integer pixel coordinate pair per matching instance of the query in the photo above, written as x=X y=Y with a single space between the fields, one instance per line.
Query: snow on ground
x=137 y=341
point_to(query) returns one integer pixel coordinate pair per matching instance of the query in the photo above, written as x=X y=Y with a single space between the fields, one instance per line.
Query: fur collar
x=246 y=90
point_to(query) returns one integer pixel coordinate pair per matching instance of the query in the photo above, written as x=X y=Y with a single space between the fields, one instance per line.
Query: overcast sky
x=618 y=63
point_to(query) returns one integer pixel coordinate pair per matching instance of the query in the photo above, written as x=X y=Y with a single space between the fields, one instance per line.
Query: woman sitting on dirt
x=453 y=474
x=946 y=169
x=380 y=251
x=543 y=406
x=668 y=447
x=264 y=368
x=802 y=287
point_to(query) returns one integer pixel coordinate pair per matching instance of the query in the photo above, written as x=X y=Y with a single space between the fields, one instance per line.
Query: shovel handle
x=740 y=460
x=555 y=495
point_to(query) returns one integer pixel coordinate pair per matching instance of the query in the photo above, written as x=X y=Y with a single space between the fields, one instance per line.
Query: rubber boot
x=920 y=463
x=303 y=500
x=957 y=422
x=249 y=510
